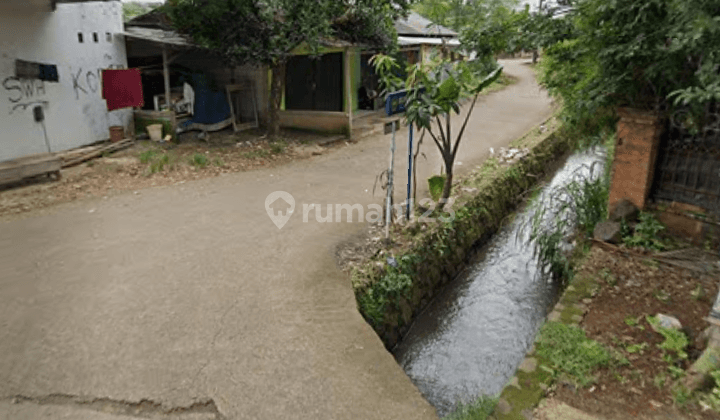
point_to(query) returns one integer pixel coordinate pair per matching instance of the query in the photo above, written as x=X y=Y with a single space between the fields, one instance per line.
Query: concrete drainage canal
x=472 y=336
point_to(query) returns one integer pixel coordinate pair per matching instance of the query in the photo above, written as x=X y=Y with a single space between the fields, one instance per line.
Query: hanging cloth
x=122 y=88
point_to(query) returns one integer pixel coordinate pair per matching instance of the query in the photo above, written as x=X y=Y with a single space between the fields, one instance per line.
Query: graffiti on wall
x=87 y=82
x=24 y=93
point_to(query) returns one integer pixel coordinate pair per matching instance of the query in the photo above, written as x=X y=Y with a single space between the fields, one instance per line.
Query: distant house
x=53 y=54
x=320 y=93
x=332 y=93
x=421 y=38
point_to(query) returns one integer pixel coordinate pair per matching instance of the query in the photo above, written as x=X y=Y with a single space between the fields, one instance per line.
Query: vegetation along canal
x=472 y=336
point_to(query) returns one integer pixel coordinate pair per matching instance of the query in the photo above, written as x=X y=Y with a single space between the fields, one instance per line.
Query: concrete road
x=188 y=302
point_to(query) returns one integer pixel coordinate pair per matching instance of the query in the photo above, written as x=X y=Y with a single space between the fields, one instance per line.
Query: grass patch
x=157 y=161
x=278 y=147
x=148 y=155
x=199 y=160
x=480 y=409
x=256 y=154
x=159 y=164
x=570 y=353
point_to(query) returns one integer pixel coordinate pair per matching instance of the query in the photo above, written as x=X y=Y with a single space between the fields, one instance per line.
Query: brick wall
x=636 y=149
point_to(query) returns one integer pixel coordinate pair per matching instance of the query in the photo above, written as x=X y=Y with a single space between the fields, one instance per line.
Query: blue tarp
x=211 y=105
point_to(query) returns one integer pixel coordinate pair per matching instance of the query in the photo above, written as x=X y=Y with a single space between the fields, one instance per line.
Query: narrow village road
x=190 y=297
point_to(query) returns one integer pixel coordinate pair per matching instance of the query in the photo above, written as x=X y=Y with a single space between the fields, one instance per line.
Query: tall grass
x=581 y=204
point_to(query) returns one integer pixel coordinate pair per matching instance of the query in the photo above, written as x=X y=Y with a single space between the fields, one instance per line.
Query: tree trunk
x=277 y=88
x=535 y=56
x=448 y=182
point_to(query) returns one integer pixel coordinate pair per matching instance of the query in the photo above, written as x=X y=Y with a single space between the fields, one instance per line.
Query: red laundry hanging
x=122 y=88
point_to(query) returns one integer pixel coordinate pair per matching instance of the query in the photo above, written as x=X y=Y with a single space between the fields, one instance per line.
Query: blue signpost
x=394 y=104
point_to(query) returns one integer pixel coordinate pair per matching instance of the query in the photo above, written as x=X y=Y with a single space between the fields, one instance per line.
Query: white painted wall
x=75 y=113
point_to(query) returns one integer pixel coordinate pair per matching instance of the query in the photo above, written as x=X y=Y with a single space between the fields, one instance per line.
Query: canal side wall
x=389 y=298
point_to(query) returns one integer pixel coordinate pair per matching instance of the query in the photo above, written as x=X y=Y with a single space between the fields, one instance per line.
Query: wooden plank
x=19 y=169
x=109 y=148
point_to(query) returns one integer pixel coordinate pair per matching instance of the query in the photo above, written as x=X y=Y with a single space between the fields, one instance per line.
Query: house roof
x=424 y=40
x=155 y=26
x=416 y=25
x=159 y=36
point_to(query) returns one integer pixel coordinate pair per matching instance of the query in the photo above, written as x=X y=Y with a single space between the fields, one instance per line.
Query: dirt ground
x=631 y=288
x=142 y=166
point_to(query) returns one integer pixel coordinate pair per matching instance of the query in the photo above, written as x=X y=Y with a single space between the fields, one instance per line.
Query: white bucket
x=155 y=132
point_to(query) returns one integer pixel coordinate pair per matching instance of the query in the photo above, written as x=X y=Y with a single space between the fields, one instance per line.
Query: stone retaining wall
x=443 y=248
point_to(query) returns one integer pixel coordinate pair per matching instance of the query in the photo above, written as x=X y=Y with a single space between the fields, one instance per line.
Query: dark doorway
x=314 y=84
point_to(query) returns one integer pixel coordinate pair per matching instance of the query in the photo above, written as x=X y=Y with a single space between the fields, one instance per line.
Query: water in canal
x=473 y=335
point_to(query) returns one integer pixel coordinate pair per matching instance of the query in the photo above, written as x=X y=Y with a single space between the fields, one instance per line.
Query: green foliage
x=256 y=154
x=434 y=90
x=199 y=160
x=712 y=399
x=589 y=198
x=675 y=340
x=570 y=72
x=681 y=395
x=265 y=32
x=645 y=234
x=585 y=200
x=278 y=147
x=158 y=163
x=480 y=409
x=435 y=184
x=632 y=321
x=650 y=54
x=394 y=285
x=134 y=9
x=636 y=348
x=569 y=352
x=148 y=155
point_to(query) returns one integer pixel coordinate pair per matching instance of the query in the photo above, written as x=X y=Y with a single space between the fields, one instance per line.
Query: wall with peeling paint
x=75 y=113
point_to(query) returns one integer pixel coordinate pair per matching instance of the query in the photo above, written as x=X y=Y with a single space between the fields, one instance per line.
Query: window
x=108 y=36
x=32 y=70
x=95 y=37
x=80 y=37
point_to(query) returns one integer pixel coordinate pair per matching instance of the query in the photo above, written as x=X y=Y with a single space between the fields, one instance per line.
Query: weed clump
x=570 y=353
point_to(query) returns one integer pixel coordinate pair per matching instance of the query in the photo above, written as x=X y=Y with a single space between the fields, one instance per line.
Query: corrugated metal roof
x=157 y=35
x=416 y=25
x=424 y=40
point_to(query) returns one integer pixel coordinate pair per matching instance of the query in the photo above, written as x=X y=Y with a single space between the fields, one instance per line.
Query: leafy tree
x=133 y=9
x=434 y=90
x=268 y=31
x=648 y=54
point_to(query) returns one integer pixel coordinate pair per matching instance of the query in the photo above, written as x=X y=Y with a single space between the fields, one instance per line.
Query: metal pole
x=388 y=204
x=166 y=78
x=410 y=159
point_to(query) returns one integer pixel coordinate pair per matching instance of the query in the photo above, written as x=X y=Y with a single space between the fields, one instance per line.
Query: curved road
x=190 y=297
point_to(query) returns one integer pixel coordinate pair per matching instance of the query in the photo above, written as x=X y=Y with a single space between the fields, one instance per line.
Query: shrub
x=394 y=285
x=435 y=184
x=645 y=234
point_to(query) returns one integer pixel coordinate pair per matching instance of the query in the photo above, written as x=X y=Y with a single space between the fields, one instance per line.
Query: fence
x=688 y=169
